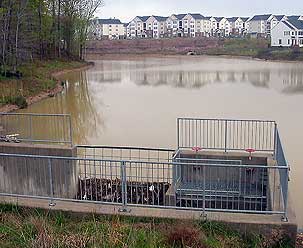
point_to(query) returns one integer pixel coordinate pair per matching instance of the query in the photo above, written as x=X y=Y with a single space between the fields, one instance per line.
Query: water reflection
x=287 y=80
x=75 y=100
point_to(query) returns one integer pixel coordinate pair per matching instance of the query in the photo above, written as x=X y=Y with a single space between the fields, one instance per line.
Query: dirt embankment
x=50 y=93
x=152 y=46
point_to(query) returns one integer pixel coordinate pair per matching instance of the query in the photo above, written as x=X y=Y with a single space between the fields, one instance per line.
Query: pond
x=135 y=101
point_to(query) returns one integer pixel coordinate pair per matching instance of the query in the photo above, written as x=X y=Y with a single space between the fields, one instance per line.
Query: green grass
x=37 y=77
x=22 y=227
x=257 y=48
x=239 y=47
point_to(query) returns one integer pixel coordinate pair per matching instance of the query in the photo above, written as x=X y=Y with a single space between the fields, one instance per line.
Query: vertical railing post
x=225 y=146
x=178 y=133
x=204 y=216
x=285 y=195
x=70 y=130
x=31 y=128
x=276 y=140
x=123 y=187
x=51 y=183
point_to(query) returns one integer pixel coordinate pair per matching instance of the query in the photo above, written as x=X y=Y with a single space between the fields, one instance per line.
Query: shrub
x=20 y=101
x=184 y=236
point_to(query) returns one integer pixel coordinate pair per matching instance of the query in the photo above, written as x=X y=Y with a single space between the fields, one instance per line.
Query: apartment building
x=260 y=25
x=220 y=26
x=175 y=25
x=156 y=27
x=138 y=27
x=197 y=25
x=238 y=25
x=112 y=29
x=288 y=32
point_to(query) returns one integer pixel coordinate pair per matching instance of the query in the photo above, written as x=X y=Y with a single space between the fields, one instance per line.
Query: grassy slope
x=257 y=48
x=37 y=77
x=20 y=227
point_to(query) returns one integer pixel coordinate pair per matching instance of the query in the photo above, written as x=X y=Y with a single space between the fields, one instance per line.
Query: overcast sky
x=128 y=9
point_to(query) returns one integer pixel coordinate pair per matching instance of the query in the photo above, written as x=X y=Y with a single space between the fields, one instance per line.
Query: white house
x=288 y=32
x=156 y=26
x=138 y=27
x=175 y=25
x=107 y=29
x=260 y=25
x=207 y=26
x=193 y=25
x=220 y=26
x=276 y=19
x=238 y=25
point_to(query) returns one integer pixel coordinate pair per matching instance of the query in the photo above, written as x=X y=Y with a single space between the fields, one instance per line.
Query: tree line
x=43 y=29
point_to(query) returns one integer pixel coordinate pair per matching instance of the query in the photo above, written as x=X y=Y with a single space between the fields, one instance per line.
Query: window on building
x=288 y=42
x=280 y=41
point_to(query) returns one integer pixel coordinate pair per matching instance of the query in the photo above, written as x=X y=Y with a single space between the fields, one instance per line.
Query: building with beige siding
x=112 y=29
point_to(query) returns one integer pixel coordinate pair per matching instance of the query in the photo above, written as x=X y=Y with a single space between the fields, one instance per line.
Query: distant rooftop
x=180 y=16
x=197 y=16
x=288 y=25
x=232 y=19
x=160 y=18
x=244 y=19
x=295 y=22
x=261 y=17
x=143 y=18
x=279 y=17
x=218 y=19
x=108 y=21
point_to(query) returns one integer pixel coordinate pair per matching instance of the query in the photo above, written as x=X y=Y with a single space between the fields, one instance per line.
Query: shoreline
x=115 y=56
x=50 y=93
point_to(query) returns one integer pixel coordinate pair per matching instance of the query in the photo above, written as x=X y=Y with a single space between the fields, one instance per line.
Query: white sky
x=128 y=9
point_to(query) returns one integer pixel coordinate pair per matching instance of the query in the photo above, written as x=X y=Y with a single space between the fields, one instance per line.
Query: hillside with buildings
x=284 y=31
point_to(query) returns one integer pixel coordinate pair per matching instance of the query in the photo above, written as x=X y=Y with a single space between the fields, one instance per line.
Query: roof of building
x=218 y=19
x=279 y=17
x=143 y=18
x=287 y=24
x=197 y=16
x=261 y=17
x=109 y=21
x=244 y=19
x=232 y=19
x=180 y=16
x=160 y=18
x=294 y=16
x=295 y=22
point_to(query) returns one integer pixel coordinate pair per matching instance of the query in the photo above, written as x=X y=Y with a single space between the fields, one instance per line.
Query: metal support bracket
x=203 y=216
x=52 y=204
x=124 y=210
x=284 y=219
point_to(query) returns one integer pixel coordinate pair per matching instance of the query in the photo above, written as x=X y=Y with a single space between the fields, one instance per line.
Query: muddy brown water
x=135 y=101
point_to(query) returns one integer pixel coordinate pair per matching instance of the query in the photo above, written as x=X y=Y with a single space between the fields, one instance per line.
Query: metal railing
x=284 y=174
x=37 y=128
x=125 y=153
x=157 y=178
x=226 y=134
x=191 y=185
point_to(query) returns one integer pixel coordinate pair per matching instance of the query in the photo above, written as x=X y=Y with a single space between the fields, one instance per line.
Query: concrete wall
x=31 y=176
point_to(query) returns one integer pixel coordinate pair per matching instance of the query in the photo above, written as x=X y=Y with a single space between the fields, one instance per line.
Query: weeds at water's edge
x=24 y=227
